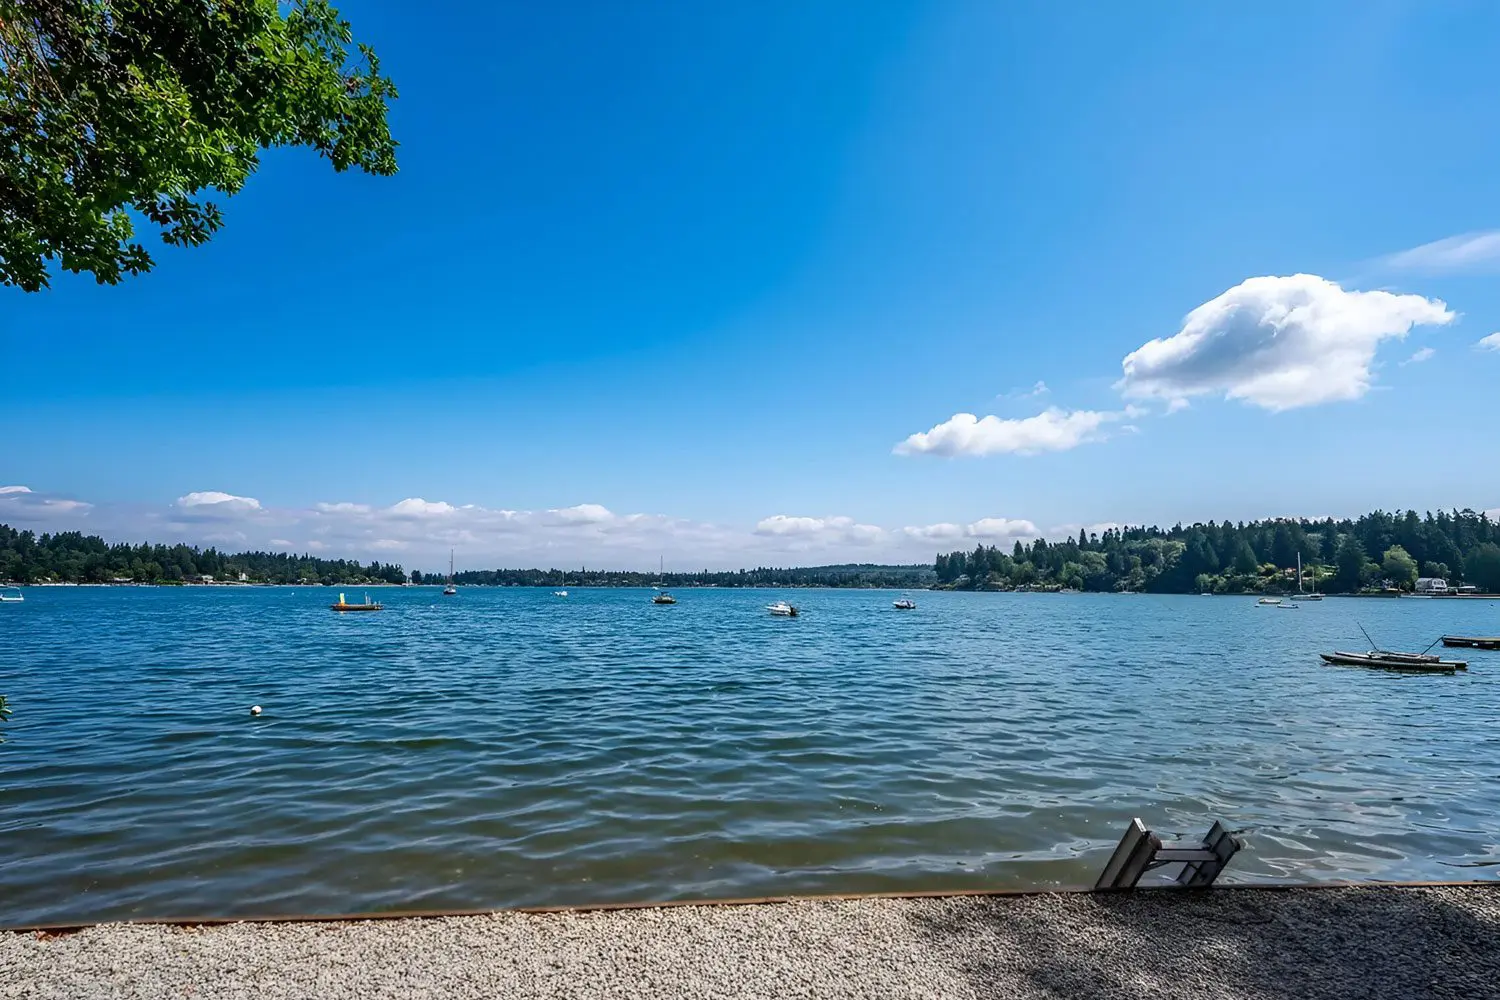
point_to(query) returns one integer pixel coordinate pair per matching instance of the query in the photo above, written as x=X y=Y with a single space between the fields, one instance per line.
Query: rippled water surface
x=506 y=747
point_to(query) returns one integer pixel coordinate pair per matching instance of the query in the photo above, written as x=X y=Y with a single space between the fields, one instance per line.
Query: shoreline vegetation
x=1378 y=553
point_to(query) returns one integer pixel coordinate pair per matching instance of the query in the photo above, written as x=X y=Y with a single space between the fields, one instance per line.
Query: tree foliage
x=72 y=557
x=120 y=112
x=1259 y=556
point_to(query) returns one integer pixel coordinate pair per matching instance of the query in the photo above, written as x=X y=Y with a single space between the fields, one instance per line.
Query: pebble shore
x=1367 y=942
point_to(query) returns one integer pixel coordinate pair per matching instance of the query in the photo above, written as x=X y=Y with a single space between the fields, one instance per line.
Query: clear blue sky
x=714 y=263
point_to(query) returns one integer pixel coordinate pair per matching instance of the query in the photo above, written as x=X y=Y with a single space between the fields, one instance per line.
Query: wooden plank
x=1135 y=834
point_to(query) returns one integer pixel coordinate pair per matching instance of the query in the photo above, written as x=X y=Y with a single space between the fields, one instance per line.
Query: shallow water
x=506 y=747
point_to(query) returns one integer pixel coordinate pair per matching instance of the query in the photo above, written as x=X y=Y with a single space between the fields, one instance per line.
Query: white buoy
x=254 y=709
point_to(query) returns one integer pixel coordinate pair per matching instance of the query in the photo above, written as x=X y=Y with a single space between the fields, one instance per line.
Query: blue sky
x=688 y=278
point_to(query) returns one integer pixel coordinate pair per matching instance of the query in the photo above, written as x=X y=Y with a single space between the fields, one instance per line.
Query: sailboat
x=450 y=590
x=1314 y=596
x=662 y=597
x=563 y=592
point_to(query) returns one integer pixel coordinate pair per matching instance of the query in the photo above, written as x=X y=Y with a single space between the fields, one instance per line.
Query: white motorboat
x=783 y=609
x=11 y=595
x=1269 y=602
x=905 y=604
x=559 y=593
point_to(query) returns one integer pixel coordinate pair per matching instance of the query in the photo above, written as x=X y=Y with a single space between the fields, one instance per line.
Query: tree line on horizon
x=1369 y=553
x=72 y=557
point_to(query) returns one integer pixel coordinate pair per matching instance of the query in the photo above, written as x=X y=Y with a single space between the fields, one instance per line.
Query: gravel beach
x=1325 y=943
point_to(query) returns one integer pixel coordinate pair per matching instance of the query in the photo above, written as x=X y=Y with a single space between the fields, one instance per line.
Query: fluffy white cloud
x=1277 y=342
x=21 y=504
x=1490 y=343
x=804 y=532
x=986 y=529
x=1053 y=429
x=584 y=513
x=1466 y=252
x=1420 y=355
x=215 y=499
x=1002 y=527
x=417 y=507
x=942 y=532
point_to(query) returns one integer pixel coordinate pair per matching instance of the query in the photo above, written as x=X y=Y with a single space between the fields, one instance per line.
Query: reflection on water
x=508 y=748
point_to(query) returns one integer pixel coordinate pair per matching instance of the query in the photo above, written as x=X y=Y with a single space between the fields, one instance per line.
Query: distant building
x=1432 y=585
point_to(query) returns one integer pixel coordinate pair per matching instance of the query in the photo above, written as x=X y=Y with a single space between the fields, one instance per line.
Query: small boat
x=1287 y=607
x=344 y=605
x=662 y=597
x=559 y=593
x=1385 y=660
x=782 y=609
x=11 y=595
x=1463 y=641
x=1269 y=602
x=905 y=604
x=450 y=590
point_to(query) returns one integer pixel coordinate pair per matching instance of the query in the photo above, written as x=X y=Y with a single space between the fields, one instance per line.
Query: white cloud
x=1420 y=355
x=985 y=529
x=584 y=513
x=1466 y=252
x=1177 y=404
x=282 y=543
x=943 y=532
x=215 y=499
x=417 y=507
x=1001 y=527
x=342 y=508
x=1490 y=343
x=806 y=532
x=22 y=505
x=1053 y=429
x=389 y=545
x=1278 y=343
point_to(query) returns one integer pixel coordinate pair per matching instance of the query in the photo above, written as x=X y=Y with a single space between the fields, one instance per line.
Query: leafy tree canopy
x=115 y=113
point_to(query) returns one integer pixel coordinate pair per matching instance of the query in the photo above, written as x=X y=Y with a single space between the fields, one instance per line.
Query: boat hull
x=1387 y=663
x=1472 y=641
x=356 y=607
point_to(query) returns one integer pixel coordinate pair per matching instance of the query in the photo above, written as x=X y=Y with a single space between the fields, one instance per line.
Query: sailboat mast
x=1299 y=572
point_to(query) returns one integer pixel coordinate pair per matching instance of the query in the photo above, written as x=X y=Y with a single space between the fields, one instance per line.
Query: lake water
x=506 y=747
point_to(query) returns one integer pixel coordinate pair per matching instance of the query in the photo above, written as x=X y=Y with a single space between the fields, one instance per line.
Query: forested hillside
x=1368 y=553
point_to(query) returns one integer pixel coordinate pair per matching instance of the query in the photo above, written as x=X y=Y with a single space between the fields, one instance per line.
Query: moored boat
x=783 y=609
x=344 y=605
x=1269 y=602
x=905 y=604
x=11 y=595
x=1385 y=660
x=663 y=598
x=1472 y=641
